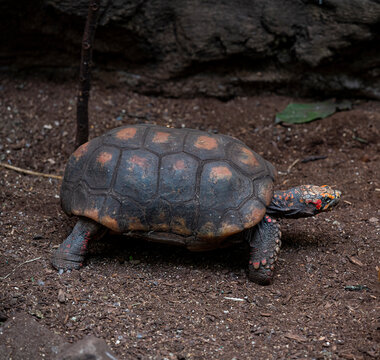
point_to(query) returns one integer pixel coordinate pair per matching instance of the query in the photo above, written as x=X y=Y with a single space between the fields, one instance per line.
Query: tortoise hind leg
x=265 y=242
x=71 y=253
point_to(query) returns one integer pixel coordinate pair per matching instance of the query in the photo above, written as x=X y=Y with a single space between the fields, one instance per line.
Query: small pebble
x=61 y=296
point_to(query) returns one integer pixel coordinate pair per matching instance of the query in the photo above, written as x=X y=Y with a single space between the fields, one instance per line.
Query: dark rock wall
x=212 y=47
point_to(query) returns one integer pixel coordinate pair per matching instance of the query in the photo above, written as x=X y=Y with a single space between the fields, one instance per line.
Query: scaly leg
x=265 y=243
x=71 y=253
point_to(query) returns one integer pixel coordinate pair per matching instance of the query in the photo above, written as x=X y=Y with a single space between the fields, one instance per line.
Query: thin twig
x=23 y=263
x=30 y=172
x=291 y=165
x=313 y=158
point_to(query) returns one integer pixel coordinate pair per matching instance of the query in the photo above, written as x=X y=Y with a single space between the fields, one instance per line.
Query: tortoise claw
x=63 y=261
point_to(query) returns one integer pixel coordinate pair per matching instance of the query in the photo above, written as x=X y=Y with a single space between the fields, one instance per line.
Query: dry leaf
x=265 y=314
x=355 y=260
x=295 y=337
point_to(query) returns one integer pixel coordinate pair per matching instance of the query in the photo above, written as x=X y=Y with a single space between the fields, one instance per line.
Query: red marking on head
x=264 y=262
x=256 y=265
x=269 y=219
x=316 y=202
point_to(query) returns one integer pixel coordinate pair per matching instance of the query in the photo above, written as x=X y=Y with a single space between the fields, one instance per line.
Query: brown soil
x=152 y=301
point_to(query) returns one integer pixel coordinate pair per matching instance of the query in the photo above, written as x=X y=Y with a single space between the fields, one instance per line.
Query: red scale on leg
x=71 y=253
x=264 y=244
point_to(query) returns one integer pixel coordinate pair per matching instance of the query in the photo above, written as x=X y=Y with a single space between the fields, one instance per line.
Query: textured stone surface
x=218 y=48
x=89 y=348
x=22 y=337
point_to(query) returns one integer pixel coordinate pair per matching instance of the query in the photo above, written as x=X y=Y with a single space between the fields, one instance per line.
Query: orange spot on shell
x=228 y=229
x=161 y=137
x=135 y=224
x=179 y=226
x=179 y=165
x=78 y=153
x=162 y=216
x=220 y=173
x=207 y=231
x=206 y=143
x=139 y=161
x=104 y=157
x=92 y=214
x=110 y=223
x=126 y=133
x=248 y=157
x=266 y=193
x=159 y=227
x=252 y=218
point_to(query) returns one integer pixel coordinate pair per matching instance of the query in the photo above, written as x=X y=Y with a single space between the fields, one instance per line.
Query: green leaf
x=303 y=113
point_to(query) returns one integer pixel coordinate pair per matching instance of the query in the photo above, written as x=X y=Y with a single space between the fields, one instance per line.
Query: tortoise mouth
x=335 y=201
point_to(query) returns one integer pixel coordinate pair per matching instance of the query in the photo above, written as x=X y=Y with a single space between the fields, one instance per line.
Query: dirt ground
x=151 y=301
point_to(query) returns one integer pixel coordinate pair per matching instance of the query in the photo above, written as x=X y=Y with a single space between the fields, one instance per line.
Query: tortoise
x=180 y=186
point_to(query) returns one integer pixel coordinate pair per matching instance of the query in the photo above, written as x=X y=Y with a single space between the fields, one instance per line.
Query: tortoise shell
x=173 y=185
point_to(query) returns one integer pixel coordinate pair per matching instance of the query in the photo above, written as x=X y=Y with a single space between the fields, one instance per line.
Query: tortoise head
x=303 y=201
x=317 y=199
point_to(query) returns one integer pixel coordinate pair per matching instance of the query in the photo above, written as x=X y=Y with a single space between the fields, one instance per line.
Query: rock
x=89 y=348
x=217 y=48
x=22 y=337
x=61 y=296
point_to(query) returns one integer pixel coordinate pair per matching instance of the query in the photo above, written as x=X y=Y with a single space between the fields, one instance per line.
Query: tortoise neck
x=286 y=203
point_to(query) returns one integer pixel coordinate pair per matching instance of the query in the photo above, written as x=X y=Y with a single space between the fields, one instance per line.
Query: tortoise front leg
x=265 y=243
x=71 y=253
